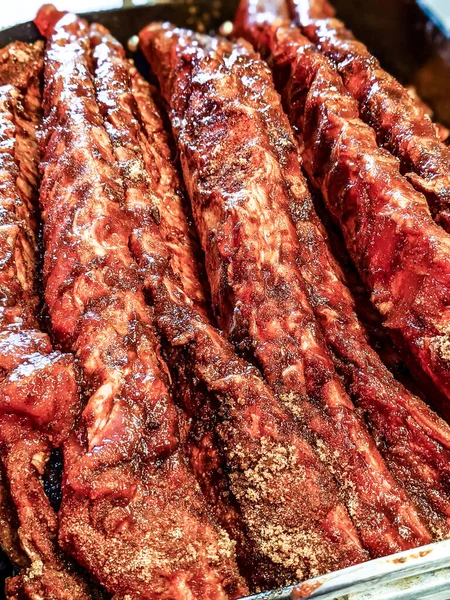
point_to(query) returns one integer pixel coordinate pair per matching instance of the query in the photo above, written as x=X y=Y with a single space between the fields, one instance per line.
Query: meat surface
x=202 y=443
x=132 y=512
x=442 y=131
x=38 y=391
x=305 y=532
x=401 y=123
x=368 y=316
x=233 y=139
x=309 y=9
x=153 y=199
x=413 y=440
x=9 y=525
x=402 y=255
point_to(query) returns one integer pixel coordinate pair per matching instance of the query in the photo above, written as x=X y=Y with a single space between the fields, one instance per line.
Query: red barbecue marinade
x=286 y=538
x=314 y=99
x=132 y=513
x=234 y=144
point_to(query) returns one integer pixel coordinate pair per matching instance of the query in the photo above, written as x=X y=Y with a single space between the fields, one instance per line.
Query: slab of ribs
x=215 y=292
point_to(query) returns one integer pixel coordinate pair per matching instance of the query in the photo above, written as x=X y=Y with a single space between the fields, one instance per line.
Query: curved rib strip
x=234 y=142
x=401 y=123
x=38 y=392
x=306 y=530
x=411 y=437
x=132 y=512
x=402 y=255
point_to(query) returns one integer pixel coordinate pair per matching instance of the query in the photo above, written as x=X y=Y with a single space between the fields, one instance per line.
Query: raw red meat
x=38 y=391
x=413 y=440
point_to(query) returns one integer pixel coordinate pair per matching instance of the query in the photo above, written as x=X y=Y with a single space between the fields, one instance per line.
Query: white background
x=19 y=11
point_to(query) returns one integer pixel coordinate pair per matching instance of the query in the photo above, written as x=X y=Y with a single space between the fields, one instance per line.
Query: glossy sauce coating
x=132 y=513
x=160 y=238
x=38 y=391
x=400 y=253
x=40 y=398
x=401 y=123
x=256 y=437
x=234 y=143
x=413 y=440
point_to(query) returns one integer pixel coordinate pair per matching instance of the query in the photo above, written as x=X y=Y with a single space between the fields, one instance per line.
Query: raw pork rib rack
x=132 y=513
x=226 y=429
